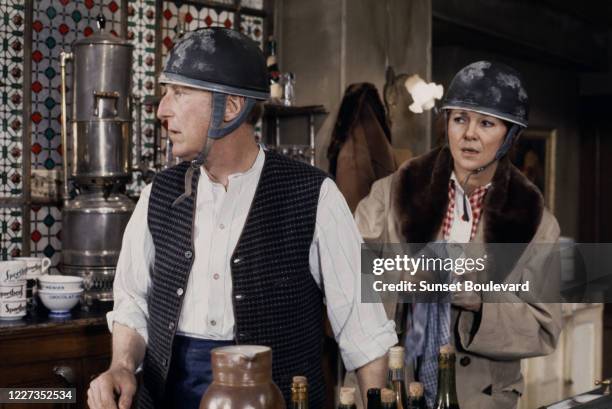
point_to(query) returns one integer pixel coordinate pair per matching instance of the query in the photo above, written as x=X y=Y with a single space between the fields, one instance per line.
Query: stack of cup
x=37 y=266
x=60 y=293
x=13 y=283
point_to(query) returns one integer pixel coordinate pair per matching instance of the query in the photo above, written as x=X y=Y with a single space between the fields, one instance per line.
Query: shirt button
x=188 y=254
x=216 y=276
x=179 y=291
x=213 y=323
x=465 y=361
x=222 y=226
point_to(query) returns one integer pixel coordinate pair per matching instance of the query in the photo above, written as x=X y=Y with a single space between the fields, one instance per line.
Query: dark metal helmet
x=219 y=60
x=490 y=88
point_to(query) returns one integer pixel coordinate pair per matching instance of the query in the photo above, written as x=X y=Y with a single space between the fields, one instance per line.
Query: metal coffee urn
x=97 y=159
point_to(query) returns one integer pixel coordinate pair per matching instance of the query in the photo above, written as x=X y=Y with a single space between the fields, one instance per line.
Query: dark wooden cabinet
x=38 y=352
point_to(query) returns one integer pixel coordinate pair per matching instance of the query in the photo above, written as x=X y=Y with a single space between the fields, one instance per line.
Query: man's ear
x=233 y=106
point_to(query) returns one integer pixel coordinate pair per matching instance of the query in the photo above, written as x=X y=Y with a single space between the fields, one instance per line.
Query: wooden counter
x=39 y=351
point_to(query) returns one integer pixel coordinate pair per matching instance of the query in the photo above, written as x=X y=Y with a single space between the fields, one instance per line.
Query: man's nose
x=163 y=110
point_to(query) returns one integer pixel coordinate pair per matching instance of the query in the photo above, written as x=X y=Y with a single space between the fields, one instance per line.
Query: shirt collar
x=255 y=168
x=455 y=182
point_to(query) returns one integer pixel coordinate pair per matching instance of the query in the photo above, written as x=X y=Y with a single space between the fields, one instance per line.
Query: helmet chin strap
x=217 y=129
x=501 y=152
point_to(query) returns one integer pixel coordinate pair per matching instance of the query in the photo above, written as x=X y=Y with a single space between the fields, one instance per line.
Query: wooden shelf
x=274 y=110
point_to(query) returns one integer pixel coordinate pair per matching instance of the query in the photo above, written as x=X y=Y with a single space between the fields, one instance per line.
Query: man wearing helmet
x=233 y=245
x=467 y=191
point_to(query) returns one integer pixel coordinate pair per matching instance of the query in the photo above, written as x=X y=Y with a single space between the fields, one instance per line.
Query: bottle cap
x=447 y=349
x=396 y=357
x=373 y=391
x=347 y=396
x=415 y=389
x=387 y=396
x=300 y=380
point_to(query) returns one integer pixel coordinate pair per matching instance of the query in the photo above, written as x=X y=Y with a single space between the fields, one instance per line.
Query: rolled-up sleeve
x=362 y=330
x=132 y=277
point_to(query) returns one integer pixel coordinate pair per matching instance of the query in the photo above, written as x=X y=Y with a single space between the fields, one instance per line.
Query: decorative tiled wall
x=55 y=25
x=177 y=17
x=11 y=106
x=10 y=232
x=141 y=33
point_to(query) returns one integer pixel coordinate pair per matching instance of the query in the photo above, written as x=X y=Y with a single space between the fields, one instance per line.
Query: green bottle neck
x=447 y=390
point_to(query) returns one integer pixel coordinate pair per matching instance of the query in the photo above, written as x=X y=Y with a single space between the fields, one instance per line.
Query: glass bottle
x=395 y=377
x=447 y=392
x=276 y=90
x=416 y=399
x=347 y=398
x=387 y=399
x=299 y=393
x=374 y=398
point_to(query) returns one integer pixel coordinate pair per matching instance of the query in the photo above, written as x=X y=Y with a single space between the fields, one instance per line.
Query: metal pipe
x=64 y=56
x=139 y=165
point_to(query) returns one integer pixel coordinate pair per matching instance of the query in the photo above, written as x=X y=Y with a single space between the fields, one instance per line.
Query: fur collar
x=512 y=209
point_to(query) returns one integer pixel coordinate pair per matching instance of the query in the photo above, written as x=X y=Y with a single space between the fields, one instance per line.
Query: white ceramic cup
x=12 y=270
x=60 y=302
x=13 y=291
x=37 y=266
x=12 y=310
x=59 y=282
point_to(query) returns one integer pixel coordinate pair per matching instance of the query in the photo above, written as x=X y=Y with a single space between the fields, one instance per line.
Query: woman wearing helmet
x=467 y=191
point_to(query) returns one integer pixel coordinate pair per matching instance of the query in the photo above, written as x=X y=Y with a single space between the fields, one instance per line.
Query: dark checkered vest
x=276 y=300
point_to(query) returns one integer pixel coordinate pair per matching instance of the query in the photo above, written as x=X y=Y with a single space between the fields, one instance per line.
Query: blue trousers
x=190 y=371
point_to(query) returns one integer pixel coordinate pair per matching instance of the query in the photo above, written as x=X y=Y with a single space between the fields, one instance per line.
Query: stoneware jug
x=242 y=379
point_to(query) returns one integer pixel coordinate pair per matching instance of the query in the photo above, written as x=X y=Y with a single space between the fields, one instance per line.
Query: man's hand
x=120 y=382
x=115 y=388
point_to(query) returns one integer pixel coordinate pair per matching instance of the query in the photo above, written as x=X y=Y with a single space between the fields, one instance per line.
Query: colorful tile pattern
x=181 y=17
x=11 y=90
x=253 y=4
x=252 y=26
x=45 y=233
x=10 y=232
x=141 y=33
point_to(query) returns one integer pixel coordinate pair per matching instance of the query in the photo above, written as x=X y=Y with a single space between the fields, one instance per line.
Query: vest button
x=165 y=362
x=242 y=335
x=179 y=291
x=188 y=254
x=236 y=260
x=171 y=325
x=465 y=361
x=239 y=296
